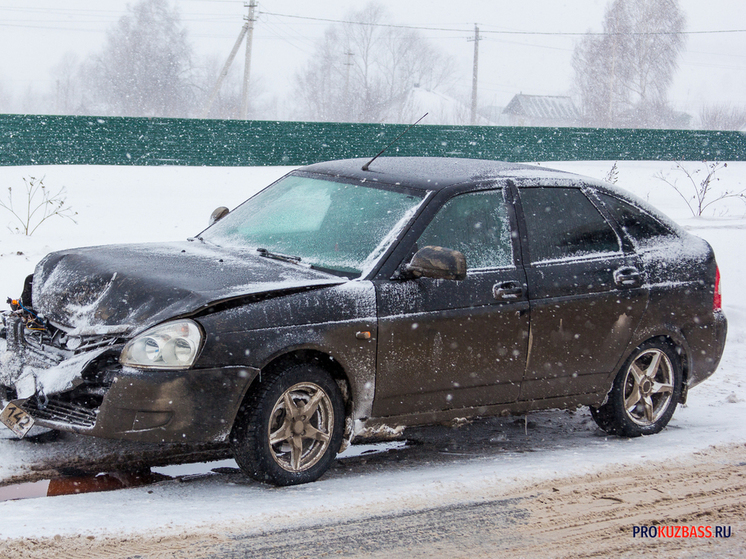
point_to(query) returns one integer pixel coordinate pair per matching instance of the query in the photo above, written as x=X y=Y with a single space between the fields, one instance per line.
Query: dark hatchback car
x=340 y=302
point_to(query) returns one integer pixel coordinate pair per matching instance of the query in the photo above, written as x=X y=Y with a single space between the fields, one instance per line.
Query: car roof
x=432 y=173
x=440 y=173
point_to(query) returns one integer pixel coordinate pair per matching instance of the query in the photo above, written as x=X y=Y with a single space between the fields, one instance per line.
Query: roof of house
x=553 y=107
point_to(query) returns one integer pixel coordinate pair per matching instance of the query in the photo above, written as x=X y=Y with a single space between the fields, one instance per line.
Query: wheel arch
x=676 y=340
x=669 y=335
x=321 y=359
x=678 y=345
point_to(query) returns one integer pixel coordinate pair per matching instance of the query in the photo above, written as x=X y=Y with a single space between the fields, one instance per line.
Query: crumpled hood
x=126 y=288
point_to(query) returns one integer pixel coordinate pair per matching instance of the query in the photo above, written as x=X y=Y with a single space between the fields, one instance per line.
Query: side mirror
x=437 y=263
x=218 y=214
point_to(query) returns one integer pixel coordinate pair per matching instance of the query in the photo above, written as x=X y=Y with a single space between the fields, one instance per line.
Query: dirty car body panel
x=568 y=284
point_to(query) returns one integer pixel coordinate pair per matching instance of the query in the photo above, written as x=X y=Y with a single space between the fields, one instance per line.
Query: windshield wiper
x=277 y=256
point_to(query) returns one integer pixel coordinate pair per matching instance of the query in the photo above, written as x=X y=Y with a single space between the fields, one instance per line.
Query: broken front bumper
x=167 y=406
x=89 y=392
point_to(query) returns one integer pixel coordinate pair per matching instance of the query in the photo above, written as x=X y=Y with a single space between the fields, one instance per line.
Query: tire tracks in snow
x=581 y=517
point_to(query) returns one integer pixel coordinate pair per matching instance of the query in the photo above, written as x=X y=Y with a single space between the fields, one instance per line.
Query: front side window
x=331 y=225
x=562 y=223
x=475 y=224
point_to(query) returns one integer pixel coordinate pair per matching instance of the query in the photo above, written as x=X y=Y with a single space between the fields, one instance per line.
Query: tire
x=274 y=446
x=645 y=393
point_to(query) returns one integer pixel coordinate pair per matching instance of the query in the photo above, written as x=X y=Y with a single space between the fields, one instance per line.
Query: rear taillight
x=717 y=301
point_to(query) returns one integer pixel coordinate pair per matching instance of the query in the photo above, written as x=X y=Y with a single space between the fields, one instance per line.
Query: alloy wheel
x=648 y=387
x=300 y=426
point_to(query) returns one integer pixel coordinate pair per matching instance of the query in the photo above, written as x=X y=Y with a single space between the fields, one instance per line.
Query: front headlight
x=173 y=345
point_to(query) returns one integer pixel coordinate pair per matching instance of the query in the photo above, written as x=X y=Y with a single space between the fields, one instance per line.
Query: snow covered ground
x=470 y=463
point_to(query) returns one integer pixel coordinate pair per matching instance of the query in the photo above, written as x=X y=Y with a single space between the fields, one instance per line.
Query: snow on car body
x=339 y=301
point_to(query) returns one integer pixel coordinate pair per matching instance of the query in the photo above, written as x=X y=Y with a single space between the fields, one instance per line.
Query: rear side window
x=640 y=226
x=562 y=223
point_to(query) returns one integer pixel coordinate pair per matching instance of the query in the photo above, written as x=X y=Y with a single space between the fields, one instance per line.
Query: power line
x=503 y=32
x=216 y=19
x=55 y=28
x=279 y=31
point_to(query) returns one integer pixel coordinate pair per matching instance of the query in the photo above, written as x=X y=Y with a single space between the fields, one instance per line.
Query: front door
x=446 y=344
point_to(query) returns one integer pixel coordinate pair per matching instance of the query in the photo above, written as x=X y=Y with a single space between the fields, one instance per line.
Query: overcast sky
x=34 y=34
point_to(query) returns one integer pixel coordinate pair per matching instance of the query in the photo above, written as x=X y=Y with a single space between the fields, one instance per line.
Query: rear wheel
x=290 y=429
x=645 y=392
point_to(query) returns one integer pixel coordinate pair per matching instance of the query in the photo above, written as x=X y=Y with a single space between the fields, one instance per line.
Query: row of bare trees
x=148 y=68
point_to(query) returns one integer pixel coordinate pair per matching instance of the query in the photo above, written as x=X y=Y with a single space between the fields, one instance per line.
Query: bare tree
x=623 y=75
x=722 y=117
x=698 y=196
x=31 y=101
x=144 y=68
x=67 y=91
x=364 y=71
x=602 y=68
x=227 y=104
x=36 y=205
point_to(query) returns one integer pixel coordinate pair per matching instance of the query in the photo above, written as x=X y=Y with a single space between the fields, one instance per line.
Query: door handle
x=627 y=276
x=508 y=291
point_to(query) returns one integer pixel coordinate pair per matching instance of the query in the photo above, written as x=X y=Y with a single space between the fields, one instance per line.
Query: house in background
x=541 y=110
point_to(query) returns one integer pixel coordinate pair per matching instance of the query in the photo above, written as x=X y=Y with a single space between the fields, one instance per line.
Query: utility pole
x=349 y=54
x=247 y=29
x=247 y=63
x=475 y=75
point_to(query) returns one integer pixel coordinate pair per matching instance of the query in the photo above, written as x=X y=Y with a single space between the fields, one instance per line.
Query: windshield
x=331 y=225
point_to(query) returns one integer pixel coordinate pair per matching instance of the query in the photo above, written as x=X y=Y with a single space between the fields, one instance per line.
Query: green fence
x=81 y=140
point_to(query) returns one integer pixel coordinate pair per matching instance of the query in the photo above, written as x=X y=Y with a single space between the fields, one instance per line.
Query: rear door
x=586 y=293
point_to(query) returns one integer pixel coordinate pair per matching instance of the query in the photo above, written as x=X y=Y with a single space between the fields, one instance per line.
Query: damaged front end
x=50 y=377
x=102 y=341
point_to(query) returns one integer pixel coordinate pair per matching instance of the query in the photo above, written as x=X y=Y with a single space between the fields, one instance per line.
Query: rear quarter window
x=640 y=226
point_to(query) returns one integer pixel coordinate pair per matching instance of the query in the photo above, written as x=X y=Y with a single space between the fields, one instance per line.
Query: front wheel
x=290 y=429
x=645 y=392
